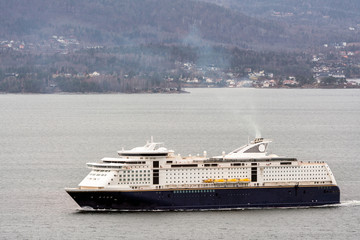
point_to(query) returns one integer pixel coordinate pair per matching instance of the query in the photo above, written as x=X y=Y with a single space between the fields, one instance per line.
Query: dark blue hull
x=219 y=198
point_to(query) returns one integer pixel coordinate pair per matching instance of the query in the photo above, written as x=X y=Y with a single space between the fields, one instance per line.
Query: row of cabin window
x=134 y=175
x=132 y=179
x=294 y=175
x=140 y=157
x=209 y=176
x=94 y=174
x=141 y=166
x=125 y=162
x=295 y=167
x=174 y=174
x=206 y=169
x=315 y=170
x=276 y=179
x=170 y=182
x=191 y=181
x=194 y=191
x=128 y=183
x=209 y=170
x=135 y=171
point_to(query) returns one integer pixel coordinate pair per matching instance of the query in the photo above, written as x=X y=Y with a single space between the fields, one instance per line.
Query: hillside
x=161 y=45
x=320 y=21
x=256 y=24
x=111 y=22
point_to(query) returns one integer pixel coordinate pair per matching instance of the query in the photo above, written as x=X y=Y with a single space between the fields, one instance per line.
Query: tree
x=329 y=80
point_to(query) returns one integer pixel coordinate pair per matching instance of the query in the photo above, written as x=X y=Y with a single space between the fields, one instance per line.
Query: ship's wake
x=348 y=203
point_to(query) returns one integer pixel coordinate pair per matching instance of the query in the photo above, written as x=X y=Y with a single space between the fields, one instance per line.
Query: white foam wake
x=350 y=203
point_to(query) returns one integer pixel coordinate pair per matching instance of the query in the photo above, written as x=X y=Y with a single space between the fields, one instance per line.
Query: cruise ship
x=155 y=178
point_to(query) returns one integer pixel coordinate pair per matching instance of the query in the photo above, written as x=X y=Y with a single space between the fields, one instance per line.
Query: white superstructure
x=155 y=167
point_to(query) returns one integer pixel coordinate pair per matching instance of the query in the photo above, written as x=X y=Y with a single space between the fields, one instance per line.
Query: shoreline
x=92 y=93
x=170 y=92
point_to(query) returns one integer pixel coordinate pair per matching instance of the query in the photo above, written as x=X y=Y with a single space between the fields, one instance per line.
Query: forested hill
x=144 y=45
x=256 y=24
x=321 y=21
x=113 y=22
x=344 y=9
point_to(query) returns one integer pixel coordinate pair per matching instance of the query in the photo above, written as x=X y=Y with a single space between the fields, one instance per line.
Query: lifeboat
x=208 y=180
x=244 y=180
x=219 y=181
x=232 y=180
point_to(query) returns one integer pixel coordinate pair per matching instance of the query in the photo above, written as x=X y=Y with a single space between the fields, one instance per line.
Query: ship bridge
x=150 y=149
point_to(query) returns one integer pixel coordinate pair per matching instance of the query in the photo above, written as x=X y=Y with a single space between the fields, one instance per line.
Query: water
x=46 y=140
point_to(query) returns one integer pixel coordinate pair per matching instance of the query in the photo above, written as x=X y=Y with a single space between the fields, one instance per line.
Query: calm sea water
x=46 y=140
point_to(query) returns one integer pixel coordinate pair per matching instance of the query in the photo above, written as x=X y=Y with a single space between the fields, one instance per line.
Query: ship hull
x=217 y=198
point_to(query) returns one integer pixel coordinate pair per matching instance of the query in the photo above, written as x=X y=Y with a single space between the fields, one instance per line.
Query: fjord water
x=46 y=140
